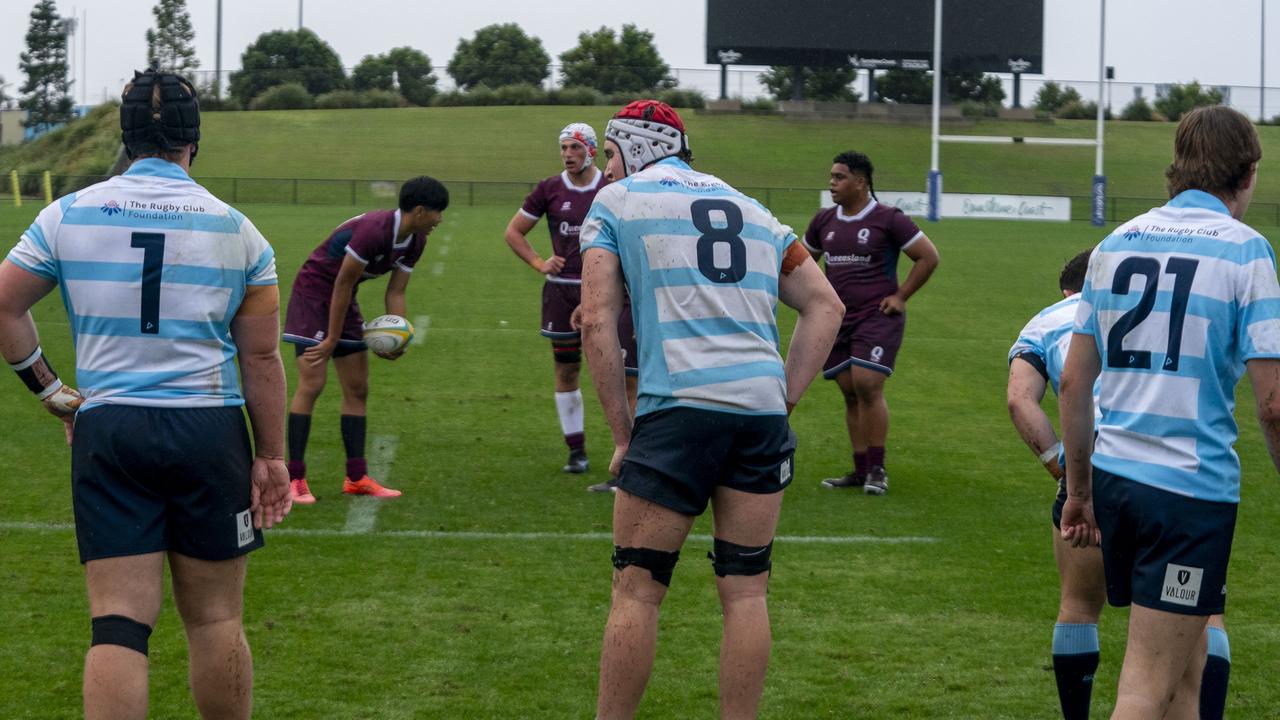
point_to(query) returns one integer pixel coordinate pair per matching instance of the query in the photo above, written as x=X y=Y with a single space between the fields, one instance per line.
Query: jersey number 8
x=716 y=240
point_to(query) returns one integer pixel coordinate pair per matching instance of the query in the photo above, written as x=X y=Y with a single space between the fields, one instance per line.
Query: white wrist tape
x=1052 y=453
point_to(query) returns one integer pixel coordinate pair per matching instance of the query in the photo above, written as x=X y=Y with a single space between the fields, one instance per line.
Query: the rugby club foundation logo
x=111 y=208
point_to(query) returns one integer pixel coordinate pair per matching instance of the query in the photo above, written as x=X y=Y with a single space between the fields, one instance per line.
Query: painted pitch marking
x=363 y=514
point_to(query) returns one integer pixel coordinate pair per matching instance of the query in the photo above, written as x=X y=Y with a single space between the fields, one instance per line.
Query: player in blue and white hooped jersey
x=1177 y=303
x=705 y=267
x=166 y=288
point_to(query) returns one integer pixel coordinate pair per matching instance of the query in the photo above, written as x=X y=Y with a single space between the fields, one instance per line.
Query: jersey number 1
x=1183 y=271
x=714 y=238
x=152 y=245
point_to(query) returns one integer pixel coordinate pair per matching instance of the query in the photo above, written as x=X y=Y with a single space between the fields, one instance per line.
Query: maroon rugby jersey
x=862 y=250
x=565 y=207
x=369 y=238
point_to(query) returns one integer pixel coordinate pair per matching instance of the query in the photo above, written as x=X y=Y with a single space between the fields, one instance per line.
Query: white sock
x=569 y=408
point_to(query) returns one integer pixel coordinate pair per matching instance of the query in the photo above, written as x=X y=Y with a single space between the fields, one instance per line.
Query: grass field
x=482 y=593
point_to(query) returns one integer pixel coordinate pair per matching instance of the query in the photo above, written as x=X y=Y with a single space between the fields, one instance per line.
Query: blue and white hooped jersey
x=701 y=261
x=152 y=269
x=1177 y=300
x=1044 y=340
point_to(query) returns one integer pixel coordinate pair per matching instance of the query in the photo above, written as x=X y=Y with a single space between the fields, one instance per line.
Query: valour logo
x=244 y=528
x=111 y=207
x=1182 y=585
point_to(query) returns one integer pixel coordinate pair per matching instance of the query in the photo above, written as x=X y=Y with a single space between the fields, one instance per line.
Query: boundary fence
x=384 y=193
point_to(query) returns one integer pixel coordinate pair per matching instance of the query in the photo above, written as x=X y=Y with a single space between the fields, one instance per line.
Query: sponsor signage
x=969 y=205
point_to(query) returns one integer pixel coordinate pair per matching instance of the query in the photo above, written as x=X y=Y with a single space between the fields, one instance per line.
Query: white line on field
x=420 y=325
x=444 y=250
x=551 y=536
x=437 y=269
x=363 y=514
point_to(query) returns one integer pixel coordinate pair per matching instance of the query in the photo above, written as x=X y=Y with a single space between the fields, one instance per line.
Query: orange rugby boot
x=301 y=493
x=367 y=486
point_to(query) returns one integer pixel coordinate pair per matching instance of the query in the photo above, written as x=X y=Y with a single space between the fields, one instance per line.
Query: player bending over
x=163 y=307
x=1176 y=304
x=323 y=320
x=564 y=199
x=861 y=240
x=705 y=265
x=1035 y=363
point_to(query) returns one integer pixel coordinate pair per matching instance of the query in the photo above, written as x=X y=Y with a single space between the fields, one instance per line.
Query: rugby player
x=1035 y=364
x=564 y=199
x=323 y=320
x=861 y=240
x=166 y=288
x=705 y=266
x=1177 y=303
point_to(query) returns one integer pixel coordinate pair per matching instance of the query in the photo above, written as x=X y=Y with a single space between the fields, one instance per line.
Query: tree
x=283 y=56
x=905 y=87
x=1180 y=99
x=1138 y=110
x=373 y=73
x=1053 y=96
x=611 y=64
x=817 y=83
x=976 y=86
x=45 y=93
x=169 y=43
x=499 y=55
x=414 y=74
x=4 y=98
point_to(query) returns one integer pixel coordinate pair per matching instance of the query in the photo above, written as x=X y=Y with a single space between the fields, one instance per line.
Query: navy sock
x=353 y=430
x=299 y=428
x=1217 y=670
x=1075 y=659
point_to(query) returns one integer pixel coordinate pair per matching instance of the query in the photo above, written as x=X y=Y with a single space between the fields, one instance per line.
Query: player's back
x=701 y=261
x=153 y=268
x=1176 y=300
x=1047 y=337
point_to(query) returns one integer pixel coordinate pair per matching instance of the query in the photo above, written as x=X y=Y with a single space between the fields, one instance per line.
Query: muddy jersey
x=369 y=238
x=862 y=250
x=565 y=206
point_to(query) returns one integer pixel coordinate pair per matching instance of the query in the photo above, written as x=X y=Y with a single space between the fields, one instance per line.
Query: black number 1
x=152 y=245
x=1184 y=272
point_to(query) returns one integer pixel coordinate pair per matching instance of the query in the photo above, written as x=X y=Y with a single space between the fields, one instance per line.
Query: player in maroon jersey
x=323 y=320
x=861 y=240
x=564 y=199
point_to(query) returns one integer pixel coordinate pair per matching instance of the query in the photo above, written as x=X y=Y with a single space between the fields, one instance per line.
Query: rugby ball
x=387 y=334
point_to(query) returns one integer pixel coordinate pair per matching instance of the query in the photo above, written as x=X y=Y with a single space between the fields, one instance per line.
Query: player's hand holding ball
x=388 y=336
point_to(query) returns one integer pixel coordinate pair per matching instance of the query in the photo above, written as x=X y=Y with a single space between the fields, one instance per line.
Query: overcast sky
x=1147 y=40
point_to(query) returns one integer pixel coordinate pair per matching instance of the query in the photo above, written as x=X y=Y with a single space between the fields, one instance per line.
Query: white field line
x=420 y=325
x=363 y=514
x=503 y=536
x=444 y=250
x=437 y=269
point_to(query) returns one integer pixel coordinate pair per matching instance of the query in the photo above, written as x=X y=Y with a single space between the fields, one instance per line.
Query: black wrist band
x=36 y=372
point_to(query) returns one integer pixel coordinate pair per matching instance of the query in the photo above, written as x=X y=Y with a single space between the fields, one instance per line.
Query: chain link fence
x=486 y=193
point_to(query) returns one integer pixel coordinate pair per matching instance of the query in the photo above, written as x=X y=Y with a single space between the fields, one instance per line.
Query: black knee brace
x=567 y=352
x=122 y=631
x=733 y=559
x=660 y=564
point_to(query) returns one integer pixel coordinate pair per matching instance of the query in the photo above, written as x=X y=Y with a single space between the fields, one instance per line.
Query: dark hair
x=1072 y=276
x=859 y=163
x=1214 y=150
x=425 y=191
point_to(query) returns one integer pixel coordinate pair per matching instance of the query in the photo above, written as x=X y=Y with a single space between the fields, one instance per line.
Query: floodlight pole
x=1100 y=180
x=935 y=175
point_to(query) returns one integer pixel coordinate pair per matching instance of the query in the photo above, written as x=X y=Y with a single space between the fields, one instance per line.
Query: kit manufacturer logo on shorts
x=244 y=528
x=784 y=472
x=1181 y=585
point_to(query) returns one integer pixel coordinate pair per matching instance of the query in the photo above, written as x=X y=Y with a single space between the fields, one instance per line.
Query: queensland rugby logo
x=111 y=207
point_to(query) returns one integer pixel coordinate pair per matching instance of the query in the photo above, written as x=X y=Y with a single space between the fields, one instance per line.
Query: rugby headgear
x=647 y=131
x=159 y=112
x=582 y=133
